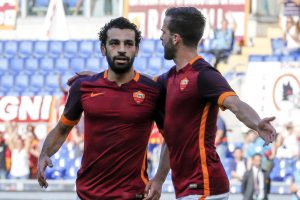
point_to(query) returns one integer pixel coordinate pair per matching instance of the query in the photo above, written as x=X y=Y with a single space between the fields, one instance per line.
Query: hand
x=266 y=131
x=79 y=74
x=153 y=190
x=44 y=161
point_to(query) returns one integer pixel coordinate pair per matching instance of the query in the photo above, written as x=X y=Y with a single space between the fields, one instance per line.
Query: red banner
x=27 y=109
x=149 y=15
x=8 y=14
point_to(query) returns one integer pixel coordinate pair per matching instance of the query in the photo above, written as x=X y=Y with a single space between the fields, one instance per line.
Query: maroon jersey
x=193 y=97
x=118 y=122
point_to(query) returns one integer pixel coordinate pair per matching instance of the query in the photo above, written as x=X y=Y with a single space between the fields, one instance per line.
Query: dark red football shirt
x=193 y=97
x=118 y=122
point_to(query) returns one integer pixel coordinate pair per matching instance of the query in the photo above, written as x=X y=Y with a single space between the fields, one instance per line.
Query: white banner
x=26 y=109
x=273 y=89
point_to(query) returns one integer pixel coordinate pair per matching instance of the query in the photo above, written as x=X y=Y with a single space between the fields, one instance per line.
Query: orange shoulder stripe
x=223 y=96
x=68 y=122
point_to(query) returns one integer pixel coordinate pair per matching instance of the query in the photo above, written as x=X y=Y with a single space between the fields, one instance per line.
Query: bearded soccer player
x=195 y=92
x=119 y=107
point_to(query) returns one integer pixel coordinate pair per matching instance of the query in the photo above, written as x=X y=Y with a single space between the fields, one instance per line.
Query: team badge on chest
x=138 y=97
x=183 y=83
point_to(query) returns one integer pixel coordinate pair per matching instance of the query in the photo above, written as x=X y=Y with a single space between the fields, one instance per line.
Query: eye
x=129 y=43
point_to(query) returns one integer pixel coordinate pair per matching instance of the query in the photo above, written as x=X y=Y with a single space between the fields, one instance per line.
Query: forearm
x=55 y=139
x=164 y=164
x=246 y=114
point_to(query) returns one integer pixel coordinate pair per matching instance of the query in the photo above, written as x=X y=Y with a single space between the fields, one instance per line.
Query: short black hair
x=121 y=23
x=188 y=22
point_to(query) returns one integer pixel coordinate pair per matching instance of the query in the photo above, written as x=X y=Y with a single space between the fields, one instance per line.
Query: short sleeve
x=213 y=86
x=73 y=108
x=160 y=107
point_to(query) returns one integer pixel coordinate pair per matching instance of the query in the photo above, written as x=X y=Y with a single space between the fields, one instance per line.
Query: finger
x=147 y=188
x=269 y=119
x=150 y=195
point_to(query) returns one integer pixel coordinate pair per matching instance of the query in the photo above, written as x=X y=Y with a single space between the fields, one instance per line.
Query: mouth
x=121 y=59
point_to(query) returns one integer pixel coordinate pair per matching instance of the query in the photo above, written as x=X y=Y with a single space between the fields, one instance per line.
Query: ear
x=103 y=50
x=176 y=38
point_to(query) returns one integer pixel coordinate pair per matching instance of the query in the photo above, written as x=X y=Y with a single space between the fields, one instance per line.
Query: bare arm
x=153 y=188
x=53 y=142
x=250 y=118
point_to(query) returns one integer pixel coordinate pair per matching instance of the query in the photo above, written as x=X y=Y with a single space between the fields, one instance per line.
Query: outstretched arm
x=53 y=142
x=153 y=188
x=250 y=118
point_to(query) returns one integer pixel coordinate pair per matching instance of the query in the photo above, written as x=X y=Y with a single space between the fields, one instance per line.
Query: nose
x=122 y=48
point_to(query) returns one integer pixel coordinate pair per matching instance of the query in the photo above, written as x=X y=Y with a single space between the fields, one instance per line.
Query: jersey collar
x=135 y=78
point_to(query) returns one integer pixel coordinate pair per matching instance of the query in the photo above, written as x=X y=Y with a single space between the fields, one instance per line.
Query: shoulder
x=149 y=81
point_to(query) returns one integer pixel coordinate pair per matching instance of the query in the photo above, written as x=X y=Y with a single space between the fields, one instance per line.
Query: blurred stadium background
x=43 y=43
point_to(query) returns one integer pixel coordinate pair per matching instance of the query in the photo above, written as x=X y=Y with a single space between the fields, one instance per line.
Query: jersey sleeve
x=213 y=86
x=160 y=109
x=73 y=108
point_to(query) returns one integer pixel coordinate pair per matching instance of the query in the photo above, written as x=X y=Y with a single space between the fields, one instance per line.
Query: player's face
x=120 y=49
x=166 y=38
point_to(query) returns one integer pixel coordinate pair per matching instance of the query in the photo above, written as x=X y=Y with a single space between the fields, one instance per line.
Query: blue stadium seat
x=154 y=66
x=11 y=48
x=97 y=49
x=86 y=48
x=25 y=48
x=287 y=58
x=31 y=65
x=147 y=47
x=7 y=83
x=271 y=58
x=21 y=82
x=46 y=65
x=61 y=65
x=167 y=64
x=27 y=93
x=4 y=65
x=77 y=64
x=104 y=64
x=70 y=48
x=51 y=83
x=155 y=63
x=40 y=48
x=256 y=58
x=159 y=49
x=36 y=83
x=16 y=65
x=140 y=64
x=93 y=64
x=12 y=93
x=55 y=48
x=1 y=47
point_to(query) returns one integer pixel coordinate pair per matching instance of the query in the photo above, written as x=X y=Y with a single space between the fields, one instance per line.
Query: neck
x=120 y=79
x=184 y=55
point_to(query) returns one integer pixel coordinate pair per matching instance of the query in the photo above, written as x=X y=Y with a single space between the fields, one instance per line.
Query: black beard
x=169 y=51
x=119 y=69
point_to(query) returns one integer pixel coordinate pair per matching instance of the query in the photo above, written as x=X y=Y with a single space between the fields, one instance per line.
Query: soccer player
x=195 y=92
x=119 y=107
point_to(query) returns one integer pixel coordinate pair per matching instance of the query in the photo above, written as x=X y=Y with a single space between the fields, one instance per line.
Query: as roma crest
x=183 y=83
x=138 y=97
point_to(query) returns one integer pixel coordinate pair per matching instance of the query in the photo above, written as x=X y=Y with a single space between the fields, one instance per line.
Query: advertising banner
x=149 y=15
x=8 y=14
